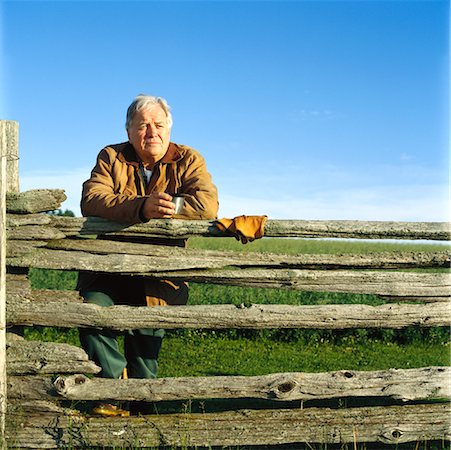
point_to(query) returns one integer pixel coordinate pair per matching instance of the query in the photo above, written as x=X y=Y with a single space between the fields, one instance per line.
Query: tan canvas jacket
x=116 y=191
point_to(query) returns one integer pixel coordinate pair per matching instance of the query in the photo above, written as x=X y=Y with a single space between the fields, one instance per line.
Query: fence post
x=9 y=182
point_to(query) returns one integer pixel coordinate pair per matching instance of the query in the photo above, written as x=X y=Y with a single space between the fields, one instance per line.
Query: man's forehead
x=153 y=112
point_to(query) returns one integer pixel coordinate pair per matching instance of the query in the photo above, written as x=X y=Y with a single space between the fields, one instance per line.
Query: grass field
x=315 y=246
x=257 y=352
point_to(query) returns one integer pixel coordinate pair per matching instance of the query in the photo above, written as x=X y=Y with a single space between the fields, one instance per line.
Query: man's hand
x=158 y=206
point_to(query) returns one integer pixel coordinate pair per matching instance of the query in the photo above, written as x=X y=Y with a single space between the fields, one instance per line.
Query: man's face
x=149 y=134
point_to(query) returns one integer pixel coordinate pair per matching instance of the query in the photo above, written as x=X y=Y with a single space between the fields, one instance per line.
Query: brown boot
x=110 y=410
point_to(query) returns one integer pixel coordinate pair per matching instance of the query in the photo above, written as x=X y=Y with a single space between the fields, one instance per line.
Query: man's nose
x=151 y=129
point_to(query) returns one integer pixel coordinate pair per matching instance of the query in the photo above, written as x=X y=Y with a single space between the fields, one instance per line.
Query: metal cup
x=179 y=201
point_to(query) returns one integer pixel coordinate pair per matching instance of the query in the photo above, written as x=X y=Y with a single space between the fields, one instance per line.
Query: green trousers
x=141 y=347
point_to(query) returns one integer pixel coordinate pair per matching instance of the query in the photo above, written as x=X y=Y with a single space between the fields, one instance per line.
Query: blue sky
x=302 y=109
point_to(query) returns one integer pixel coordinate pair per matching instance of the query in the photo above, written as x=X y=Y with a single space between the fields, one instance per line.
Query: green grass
x=205 y=294
x=312 y=246
x=210 y=353
x=204 y=352
x=52 y=279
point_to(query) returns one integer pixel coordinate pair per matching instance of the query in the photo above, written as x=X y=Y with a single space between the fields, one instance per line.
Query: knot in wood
x=286 y=387
x=59 y=384
x=396 y=434
x=79 y=379
x=392 y=435
x=244 y=305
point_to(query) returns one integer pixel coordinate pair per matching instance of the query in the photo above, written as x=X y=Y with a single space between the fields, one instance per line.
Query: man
x=131 y=183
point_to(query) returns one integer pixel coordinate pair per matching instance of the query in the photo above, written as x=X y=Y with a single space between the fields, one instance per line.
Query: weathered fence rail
x=388 y=425
x=395 y=383
x=54 y=314
x=189 y=228
x=38 y=415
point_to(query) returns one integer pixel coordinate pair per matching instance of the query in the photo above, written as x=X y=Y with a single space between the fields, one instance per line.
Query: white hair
x=144 y=102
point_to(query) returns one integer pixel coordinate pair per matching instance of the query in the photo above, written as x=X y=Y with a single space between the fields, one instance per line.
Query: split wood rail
x=41 y=380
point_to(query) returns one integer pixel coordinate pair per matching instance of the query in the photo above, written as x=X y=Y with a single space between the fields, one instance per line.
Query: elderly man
x=133 y=182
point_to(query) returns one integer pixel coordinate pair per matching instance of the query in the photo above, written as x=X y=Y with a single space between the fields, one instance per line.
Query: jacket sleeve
x=100 y=197
x=201 y=195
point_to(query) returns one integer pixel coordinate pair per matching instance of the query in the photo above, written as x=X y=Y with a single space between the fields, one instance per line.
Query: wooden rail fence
x=41 y=379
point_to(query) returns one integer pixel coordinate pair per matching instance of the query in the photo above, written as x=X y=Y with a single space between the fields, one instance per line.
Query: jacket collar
x=129 y=156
